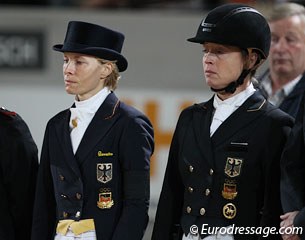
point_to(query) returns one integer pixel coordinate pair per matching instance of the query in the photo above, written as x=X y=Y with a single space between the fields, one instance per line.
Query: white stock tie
x=79 y=121
x=222 y=112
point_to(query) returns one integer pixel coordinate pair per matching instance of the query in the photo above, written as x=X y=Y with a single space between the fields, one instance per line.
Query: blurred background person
x=293 y=180
x=283 y=83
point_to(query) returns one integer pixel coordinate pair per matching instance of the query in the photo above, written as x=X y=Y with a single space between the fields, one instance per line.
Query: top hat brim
x=103 y=53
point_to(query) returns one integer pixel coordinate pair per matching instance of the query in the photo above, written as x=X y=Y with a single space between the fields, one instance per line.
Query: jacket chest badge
x=233 y=167
x=229 y=211
x=229 y=190
x=104 y=172
x=105 y=200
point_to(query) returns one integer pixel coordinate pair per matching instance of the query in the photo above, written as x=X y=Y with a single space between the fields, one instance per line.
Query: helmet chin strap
x=231 y=88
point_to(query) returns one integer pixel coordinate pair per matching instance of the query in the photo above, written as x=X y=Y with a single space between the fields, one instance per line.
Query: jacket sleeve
x=136 y=148
x=19 y=164
x=272 y=209
x=44 y=216
x=293 y=172
x=167 y=220
x=6 y=224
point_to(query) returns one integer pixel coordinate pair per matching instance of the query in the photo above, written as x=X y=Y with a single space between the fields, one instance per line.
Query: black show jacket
x=110 y=166
x=18 y=172
x=199 y=170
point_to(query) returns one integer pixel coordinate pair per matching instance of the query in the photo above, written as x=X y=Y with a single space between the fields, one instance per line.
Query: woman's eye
x=220 y=51
x=79 y=62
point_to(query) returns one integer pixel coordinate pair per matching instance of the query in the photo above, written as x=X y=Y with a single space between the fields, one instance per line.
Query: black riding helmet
x=236 y=25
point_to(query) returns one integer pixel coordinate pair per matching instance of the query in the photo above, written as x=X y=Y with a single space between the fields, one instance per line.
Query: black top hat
x=94 y=40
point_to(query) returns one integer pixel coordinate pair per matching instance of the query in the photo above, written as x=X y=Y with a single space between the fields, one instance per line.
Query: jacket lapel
x=202 y=121
x=64 y=140
x=102 y=121
x=243 y=116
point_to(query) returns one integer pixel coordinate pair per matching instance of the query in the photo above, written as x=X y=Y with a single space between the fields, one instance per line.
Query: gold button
x=61 y=177
x=207 y=192
x=188 y=209
x=78 y=196
x=202 y=211
x=64 y=196
x=211 y=171
x=191 y=169
x=190 y=189
x=65 y=214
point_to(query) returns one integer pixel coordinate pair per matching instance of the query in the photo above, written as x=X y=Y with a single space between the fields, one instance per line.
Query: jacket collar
x=105 y=117
x=243 y=116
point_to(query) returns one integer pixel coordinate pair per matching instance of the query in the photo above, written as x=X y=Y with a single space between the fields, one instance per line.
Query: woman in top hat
x=223 y=167
x=93 y=179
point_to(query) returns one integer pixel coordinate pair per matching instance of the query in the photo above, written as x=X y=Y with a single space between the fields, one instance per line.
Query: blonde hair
x=112 y=79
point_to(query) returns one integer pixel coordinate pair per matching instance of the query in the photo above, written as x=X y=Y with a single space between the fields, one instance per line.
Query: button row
x=207 y=191
x=191 y=169
x=67 y=215
x=201 y=211
x=77 y=195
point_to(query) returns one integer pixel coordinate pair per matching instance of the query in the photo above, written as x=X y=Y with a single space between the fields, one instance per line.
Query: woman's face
x=222 y=64
x=83 y=75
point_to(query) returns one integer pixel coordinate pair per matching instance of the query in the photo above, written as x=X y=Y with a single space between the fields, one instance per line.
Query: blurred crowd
x=185 y=4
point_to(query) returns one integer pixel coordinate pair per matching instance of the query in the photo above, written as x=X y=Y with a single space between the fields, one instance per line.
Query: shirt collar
x=93 y=103
x=287 y=88
x=236 y=100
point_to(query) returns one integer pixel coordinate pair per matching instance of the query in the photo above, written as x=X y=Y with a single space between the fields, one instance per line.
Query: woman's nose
x=69 y=67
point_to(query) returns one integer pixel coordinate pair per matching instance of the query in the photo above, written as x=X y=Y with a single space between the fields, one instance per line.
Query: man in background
x=283 y=82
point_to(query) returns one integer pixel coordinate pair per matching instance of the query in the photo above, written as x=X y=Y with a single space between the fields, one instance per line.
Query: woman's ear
x=106 y=70
x=253 y=57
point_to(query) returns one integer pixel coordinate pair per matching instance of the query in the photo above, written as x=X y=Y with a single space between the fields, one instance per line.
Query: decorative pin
x=233 y=167
x=229 y=211
x=229 y=191
x=104 y=172
x=105 y=200
x=74 y=122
